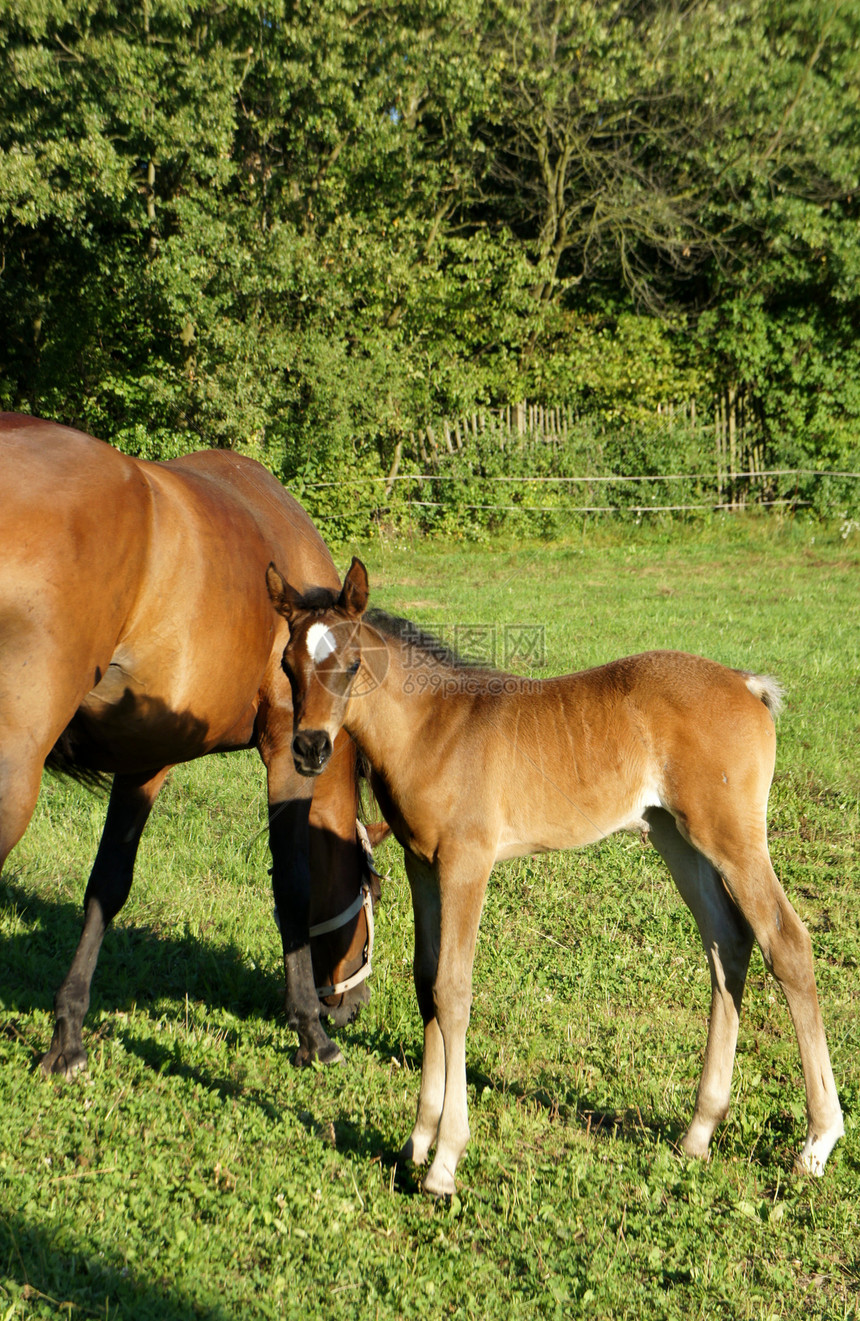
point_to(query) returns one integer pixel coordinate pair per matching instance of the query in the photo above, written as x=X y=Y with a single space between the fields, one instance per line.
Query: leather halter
x=363 y=900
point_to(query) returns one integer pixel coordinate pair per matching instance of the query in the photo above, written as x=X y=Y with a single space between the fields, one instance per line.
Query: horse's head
x=321 y=660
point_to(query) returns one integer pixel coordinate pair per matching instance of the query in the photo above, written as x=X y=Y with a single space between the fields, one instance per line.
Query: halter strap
x=363 y=901
x=323 y=928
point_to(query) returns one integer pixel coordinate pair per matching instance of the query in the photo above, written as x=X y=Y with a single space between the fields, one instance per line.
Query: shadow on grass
x=343 y=1135
x=80 y=1276
x=169 y=1060
x=136 y=964
x=553 y=1095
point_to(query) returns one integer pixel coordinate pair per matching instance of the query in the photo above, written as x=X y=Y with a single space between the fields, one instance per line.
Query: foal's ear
x=283 y=596
x=355 y=590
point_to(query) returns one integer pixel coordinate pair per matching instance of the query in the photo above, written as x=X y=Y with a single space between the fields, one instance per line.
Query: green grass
x=193 y=1172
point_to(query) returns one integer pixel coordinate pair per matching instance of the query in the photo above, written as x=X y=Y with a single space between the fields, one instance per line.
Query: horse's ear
x=283 y=596
x=355 y=590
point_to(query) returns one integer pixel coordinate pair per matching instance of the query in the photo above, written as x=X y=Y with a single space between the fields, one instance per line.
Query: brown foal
x=471 y=766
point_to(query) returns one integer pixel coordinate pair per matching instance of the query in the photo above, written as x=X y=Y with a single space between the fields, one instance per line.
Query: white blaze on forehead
x=320 y=642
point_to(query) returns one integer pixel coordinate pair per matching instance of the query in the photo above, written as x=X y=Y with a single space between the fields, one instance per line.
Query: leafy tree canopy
x=307 y=229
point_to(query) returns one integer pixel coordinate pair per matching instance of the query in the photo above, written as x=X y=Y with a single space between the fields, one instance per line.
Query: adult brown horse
x=471 y=766
x=136 y=632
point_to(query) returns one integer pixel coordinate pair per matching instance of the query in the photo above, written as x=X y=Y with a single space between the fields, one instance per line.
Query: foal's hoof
x=809 y=1167
x=818 y=1147
x=696 y=1142
x=64 y=1064
x=439 y=1182
x=414 y=1153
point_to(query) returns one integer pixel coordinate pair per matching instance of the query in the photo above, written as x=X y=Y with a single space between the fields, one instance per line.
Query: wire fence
x=714 y=480
x=531 y=466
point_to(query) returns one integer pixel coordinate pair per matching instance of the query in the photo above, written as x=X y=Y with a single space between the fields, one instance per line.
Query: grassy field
x=193 y=1172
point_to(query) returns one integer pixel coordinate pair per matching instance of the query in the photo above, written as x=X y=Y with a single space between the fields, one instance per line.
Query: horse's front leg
x=289 y=809
x=131 y=801
x=462 y=882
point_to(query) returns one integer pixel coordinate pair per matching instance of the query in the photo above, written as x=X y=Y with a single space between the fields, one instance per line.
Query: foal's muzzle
x=311 y=750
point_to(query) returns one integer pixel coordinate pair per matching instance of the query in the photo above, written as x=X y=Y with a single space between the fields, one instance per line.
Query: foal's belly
x=582 y=824
x=522 y=844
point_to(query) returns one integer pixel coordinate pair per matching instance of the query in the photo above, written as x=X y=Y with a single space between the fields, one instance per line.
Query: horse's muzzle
x=311 y=750
x=349 y=1007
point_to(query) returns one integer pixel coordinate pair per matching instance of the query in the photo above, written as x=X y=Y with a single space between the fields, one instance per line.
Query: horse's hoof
x=327 y=1054
x=330 y=1054
x=64 y=1064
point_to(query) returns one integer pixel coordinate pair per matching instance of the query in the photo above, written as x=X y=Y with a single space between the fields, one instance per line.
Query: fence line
x=731 y=421
x=603 y=509
x=644 y=477
x=735 y=506
x=733 y=415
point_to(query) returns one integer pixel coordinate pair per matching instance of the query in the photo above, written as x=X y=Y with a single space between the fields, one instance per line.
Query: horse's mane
x=413 y=636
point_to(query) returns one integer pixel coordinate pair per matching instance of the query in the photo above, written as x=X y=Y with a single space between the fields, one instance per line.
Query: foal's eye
x=353 y=668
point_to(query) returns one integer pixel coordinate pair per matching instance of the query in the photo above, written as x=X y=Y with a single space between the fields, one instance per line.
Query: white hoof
x=696 y=1142
x=818 y=1147
x=416 y=1148
x=439 y=1181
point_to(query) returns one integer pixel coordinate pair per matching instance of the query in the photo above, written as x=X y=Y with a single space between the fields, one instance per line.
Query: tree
x=308 y=229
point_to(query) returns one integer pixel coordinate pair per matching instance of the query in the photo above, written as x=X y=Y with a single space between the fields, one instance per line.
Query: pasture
x=193 y=1172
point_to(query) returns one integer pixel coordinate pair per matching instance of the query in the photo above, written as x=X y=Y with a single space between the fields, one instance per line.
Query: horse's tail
x=365 y=803
x=65 y=762
x=767 y=690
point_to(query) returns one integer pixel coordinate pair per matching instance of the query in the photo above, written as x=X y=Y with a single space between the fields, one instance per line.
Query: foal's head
x=321 y=659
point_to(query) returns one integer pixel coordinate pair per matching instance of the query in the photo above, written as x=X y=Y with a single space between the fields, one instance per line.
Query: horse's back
x=134 y=593
x=73 y=517
x=203 y=621
x=242 y=484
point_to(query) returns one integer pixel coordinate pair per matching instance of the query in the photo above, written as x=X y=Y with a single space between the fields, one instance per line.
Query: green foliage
x=311 y=229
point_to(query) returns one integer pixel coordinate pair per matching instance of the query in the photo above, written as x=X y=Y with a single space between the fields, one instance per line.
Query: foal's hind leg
x=130 y=803
x=728 y=942
x=743 y=861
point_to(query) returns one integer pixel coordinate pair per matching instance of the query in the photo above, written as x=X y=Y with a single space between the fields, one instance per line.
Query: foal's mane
x=316 y=600
x=411 y=635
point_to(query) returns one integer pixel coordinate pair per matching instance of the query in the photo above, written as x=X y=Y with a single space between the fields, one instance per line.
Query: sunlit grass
x=194 y=1172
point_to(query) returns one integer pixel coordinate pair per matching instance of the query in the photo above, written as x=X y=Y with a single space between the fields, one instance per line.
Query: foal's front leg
x=462 y=881
x=426 y=910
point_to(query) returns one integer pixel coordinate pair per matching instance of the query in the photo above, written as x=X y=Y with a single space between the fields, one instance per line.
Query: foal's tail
x=766 y=689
